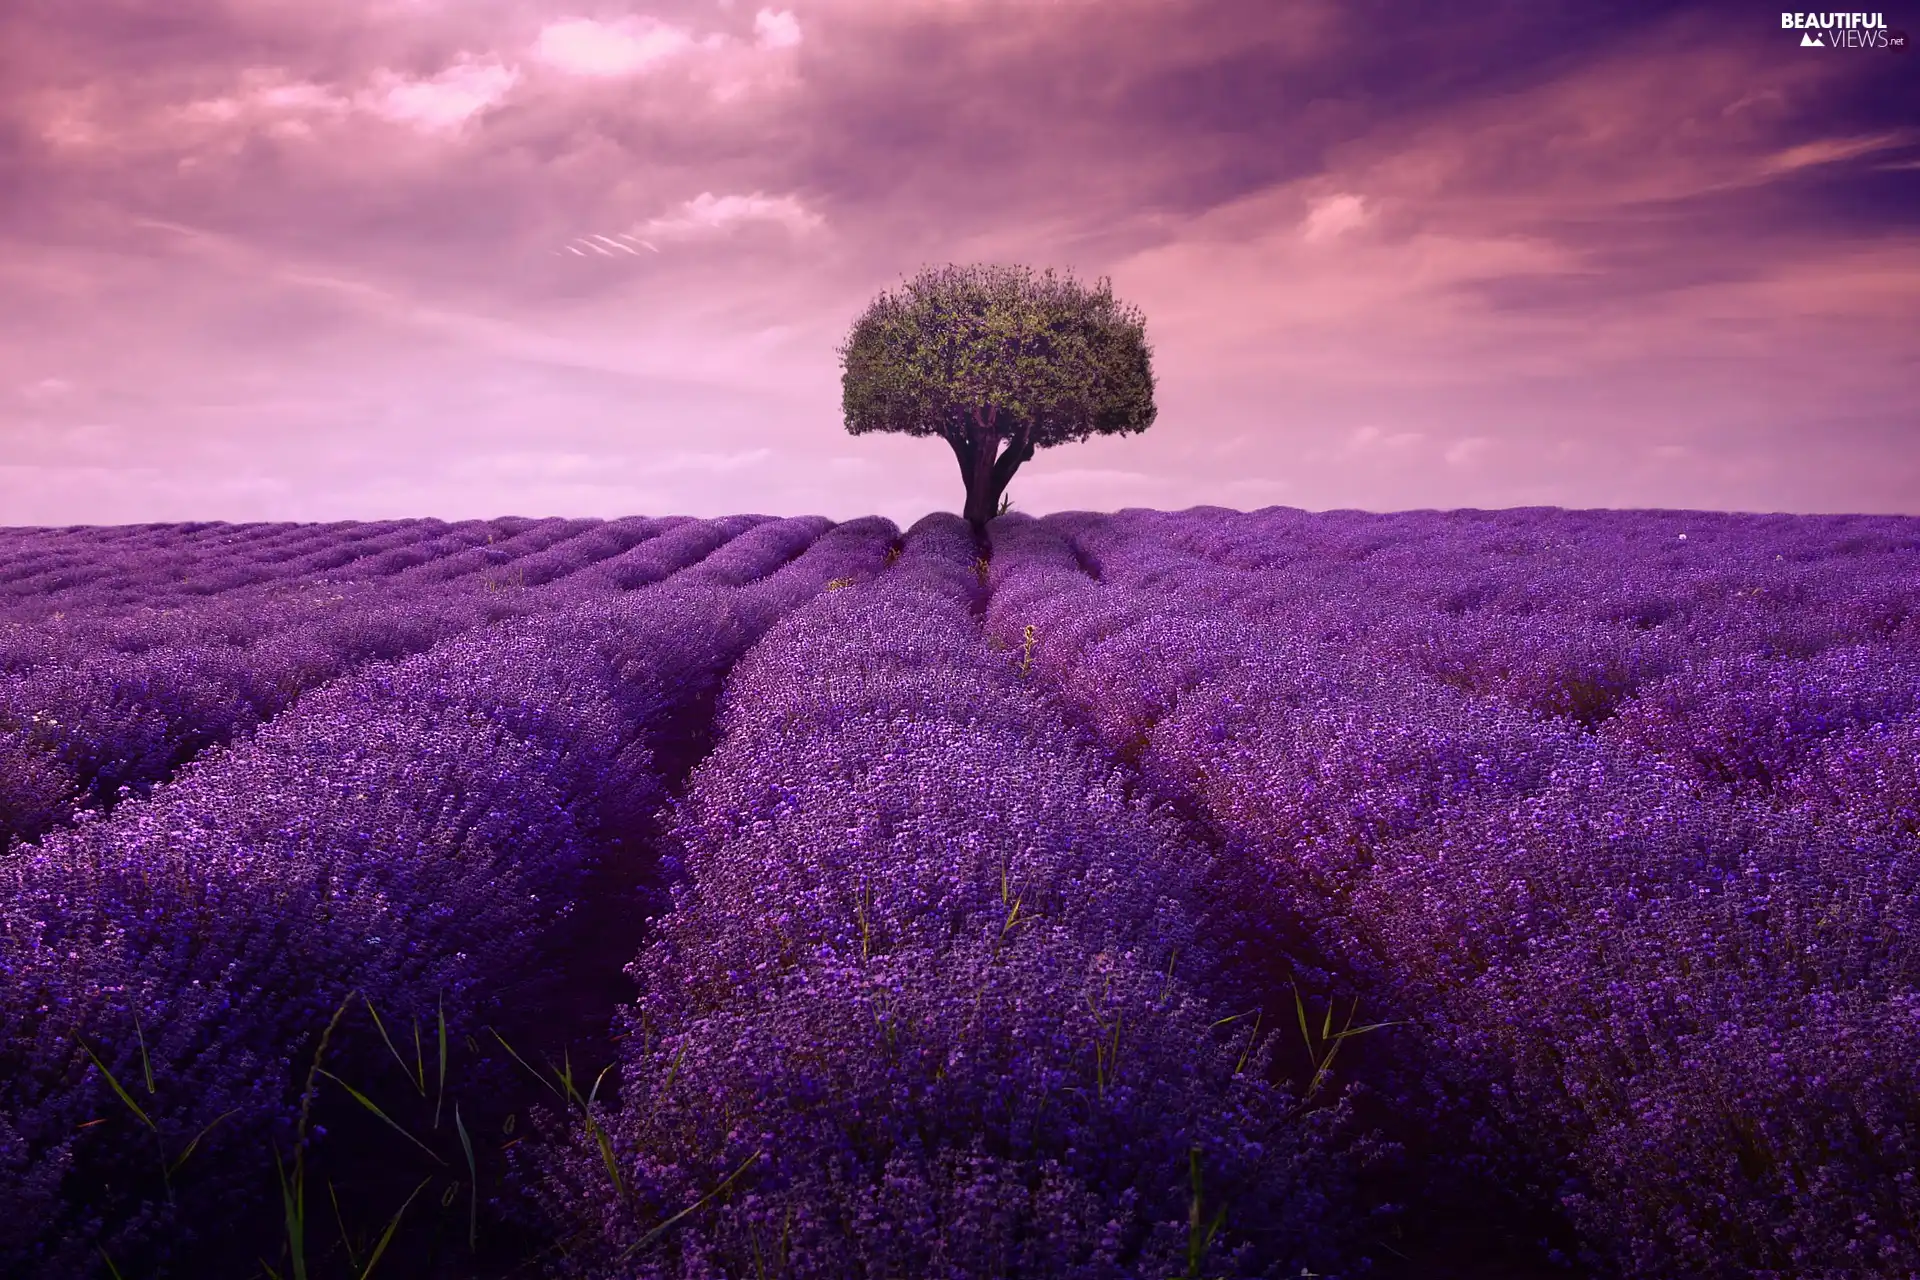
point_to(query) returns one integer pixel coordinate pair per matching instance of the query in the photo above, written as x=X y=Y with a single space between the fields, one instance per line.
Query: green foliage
x=1201 y=1230
x=1323 y=1053
x=1040 y=358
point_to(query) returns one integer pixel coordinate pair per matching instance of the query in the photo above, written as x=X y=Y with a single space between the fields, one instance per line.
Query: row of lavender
x=939 y=996
x=1633 y=851
x=145 y=568
x=116 y=569
x=417 y=832
x=100 y=703
x=1634 y=843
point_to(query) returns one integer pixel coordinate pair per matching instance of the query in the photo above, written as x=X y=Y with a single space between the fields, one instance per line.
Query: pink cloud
x=588 y=47
x=1333 y=216
x=776 y=28
x=707 y=213
x=303 y=260
x=446 y=100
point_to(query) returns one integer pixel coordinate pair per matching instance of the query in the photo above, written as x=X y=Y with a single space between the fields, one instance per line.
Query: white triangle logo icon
x=1812 y=41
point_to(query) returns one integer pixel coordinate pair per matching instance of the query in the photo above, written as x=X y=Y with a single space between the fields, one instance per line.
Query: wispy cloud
x=608 y=246
x=46 y=389
x=708 y=463
x=1332 y=216
x=707 y=214
x=590 y=47
x=705 y=217
x=1466 y=452
x=1833 y=150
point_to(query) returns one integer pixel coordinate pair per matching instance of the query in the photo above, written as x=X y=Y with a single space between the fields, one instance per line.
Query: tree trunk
x=982 y=501
x=985 y=475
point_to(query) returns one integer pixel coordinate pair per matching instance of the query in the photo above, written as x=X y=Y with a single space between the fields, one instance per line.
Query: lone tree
x=998 y=362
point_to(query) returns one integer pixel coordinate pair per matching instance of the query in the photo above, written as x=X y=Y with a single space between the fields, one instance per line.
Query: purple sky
x=304 y=260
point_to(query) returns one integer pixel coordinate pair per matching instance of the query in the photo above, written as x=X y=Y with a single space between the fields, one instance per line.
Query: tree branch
x=1017 y=452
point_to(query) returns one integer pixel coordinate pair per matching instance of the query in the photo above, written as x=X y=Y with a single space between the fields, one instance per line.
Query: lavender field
x=1196 y=894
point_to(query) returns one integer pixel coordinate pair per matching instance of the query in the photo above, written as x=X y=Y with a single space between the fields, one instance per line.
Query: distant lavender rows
x=1621 y=823
x=232 y=627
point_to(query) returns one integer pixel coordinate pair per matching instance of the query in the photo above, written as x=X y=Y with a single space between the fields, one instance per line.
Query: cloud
x=1465 y=452
x=1070 y=477
x=270 y=100
x=1333 y=216
x=705 y=217
x=1372 y=441
x=1832 y=150
x=1517 y=225
x=588 y=47
x=265 y=96
x=530 y=465
x=445 y=101
x=711 y=463
x=1256 y=487
x=775 y=29
x=46 y=389
x=608 y=246
x=708 y=214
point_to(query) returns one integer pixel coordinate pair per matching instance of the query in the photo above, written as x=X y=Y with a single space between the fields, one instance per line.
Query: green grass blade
x=1371 y=1026
x=386 y=1237
x=111 y=1269
x=440 y=1098
x=673 y=1069
x=419 y=1058
x=296 y=1198
x=1253 y=1038
x=595 y=1091
x=196 y=1139
x=293 y=1201
x=374 y=1107
x=382 y=1028
x=166 y=1173
x=654 y=1234
x=606 y=1154
x=523 y=1062
x=340 y=1220
x=124 y=1095
x=146 y=1064
x=473 y=1182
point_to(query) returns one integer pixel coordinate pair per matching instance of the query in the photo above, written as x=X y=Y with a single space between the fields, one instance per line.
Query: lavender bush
x=1439 y=840
x=935 y=985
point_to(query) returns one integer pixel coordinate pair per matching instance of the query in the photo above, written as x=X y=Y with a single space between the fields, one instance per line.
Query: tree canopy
x=999 y=362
